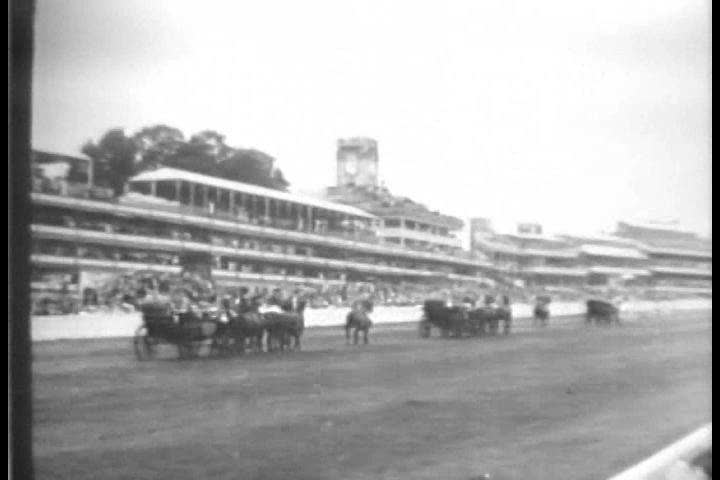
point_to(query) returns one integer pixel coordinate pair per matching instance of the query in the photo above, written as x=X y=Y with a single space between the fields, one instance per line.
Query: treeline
x=117 y=157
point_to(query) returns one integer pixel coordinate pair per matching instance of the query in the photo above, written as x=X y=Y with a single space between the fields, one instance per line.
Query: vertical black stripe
x=20 y=14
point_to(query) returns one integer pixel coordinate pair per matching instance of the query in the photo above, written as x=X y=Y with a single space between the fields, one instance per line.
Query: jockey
x=276 y=298
x=243 y=302
x=294 y=301
x=274 y=303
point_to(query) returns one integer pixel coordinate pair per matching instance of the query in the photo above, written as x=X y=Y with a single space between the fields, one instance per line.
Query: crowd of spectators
x=127 y=292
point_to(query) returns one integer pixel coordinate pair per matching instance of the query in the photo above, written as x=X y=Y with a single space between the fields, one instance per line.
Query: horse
x=246 y=326
x=358 y=320
x=245 y=329
x=504 y=313
x=446 y=319
x=287 y=324
x=541 y=313
x=602 y=312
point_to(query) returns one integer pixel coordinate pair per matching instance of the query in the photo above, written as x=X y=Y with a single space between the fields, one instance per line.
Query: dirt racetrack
x=561 y=403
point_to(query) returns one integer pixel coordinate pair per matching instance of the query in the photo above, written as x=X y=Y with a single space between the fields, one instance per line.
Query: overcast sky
x=573 y=114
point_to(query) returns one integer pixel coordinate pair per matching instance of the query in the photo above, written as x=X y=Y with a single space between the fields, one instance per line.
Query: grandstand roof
x=602 y=238
x=669 y=227
x=694 y=272
x=526 y=252
x=615 y=252
x=619 y=271
x=172 y=174
x=544 y=237
x=678 y=252
x=556 y=271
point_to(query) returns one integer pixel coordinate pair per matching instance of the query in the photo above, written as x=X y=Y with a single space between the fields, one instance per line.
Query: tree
x=212 y=144
x=157 y=144
x=113 y=159
x=117 y=157
x=201 y=154
x=252 y=166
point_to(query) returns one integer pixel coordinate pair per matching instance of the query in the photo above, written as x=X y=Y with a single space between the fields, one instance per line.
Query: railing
x=71 y=234
x=446 y=240
x=203 y=218
x=674 y=461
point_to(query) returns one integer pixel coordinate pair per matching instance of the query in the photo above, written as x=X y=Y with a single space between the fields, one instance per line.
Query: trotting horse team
x=277 y=322
x=280 y=321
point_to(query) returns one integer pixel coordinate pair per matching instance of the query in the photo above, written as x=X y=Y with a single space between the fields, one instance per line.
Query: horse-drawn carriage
x=225 y=330
x=602 y=312
x=459 y=320
x=187 y=330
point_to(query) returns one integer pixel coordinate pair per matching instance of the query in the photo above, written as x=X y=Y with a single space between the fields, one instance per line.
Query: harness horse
x=358 y=320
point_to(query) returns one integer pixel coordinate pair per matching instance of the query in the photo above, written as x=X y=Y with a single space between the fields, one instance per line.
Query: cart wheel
x=144 y=345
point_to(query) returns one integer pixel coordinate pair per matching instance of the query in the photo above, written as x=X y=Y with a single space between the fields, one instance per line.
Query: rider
x=293 y=303
x=243 y=302
x=507 y=317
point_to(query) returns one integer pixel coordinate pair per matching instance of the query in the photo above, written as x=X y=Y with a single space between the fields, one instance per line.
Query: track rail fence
x=674 y=462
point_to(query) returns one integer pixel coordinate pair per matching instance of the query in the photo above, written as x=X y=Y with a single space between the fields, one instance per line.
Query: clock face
x=351 y=168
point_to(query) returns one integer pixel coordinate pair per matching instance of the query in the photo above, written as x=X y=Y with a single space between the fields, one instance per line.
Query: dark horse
x=289 y=324
x=285 y=325
x=459 y=321
x=245 y=328
x=602 y=312
x=541 y=313
x=358 y=320
x=447 y=319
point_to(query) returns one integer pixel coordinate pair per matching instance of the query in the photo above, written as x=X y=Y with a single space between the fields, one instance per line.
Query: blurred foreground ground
x=565 y=402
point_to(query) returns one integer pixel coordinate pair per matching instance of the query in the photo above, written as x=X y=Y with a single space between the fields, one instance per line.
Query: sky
x=572 y=114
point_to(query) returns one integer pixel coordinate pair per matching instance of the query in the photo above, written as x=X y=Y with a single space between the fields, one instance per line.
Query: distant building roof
x=614 y=252
x=667 y=227
x=683 y=271
x=602 y=238
x=382 y=203
x=619 y=271
x=678 y=252
x=524 y=252
x=40 y=156
x=543 y=237
x=171 y=174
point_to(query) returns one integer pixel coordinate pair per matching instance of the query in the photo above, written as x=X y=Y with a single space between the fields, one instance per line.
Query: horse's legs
x=356 y=334
x=365 y=336
x=347 y=334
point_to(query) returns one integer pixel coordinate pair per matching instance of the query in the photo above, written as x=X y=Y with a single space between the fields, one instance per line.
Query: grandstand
x=656 y=259
x=358 y=239
x=679 y=261
x=252 y=236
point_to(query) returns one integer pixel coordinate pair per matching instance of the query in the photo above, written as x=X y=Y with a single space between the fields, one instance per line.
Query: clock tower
x=357 y=162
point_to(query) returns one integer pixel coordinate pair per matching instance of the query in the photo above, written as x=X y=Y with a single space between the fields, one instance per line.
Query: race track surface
x=568 y=402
